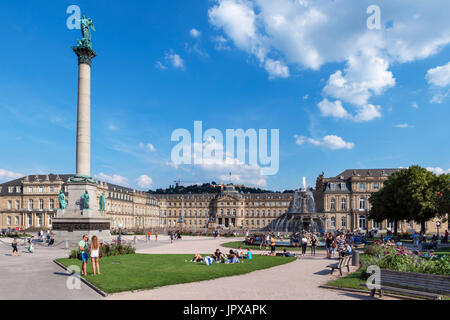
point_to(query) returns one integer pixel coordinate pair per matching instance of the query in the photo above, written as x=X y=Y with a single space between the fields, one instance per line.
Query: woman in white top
x=95 y=253
x=304 y=244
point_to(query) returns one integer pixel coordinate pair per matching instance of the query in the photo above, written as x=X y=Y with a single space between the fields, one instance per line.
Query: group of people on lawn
x=234 y=256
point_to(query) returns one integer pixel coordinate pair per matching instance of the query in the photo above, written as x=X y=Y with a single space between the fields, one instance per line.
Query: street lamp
x=438 y=224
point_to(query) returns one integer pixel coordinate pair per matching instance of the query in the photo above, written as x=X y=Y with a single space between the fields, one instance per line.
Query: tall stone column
x=82 y=215
x=85 y=56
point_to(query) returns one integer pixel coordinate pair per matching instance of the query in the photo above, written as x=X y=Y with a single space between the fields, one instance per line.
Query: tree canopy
x=411 y=194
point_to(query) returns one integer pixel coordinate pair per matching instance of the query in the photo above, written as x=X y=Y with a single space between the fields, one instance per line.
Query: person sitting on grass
x=239 y=253
x=197 y=258
x=232 y=258
x=249 y=255
x=219 y=256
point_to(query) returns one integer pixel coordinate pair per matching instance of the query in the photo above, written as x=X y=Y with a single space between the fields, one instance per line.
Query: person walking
x=95 y=254
x=171 y=237
x=84 y=251
x=14 y=246
x=329 y=245
x=30 y=244
x=149 y=234
x=156 y=235
x=304 y=244
x=52 y=239
x=272 y=245
x=313 y=245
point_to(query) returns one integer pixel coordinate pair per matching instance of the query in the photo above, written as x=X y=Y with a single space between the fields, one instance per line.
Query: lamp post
x=438 y=224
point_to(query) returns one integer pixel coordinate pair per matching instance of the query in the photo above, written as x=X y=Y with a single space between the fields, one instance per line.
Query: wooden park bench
x=343 y=262
x=414 y=284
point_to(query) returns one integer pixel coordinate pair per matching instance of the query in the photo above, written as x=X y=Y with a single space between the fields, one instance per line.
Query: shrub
x=401 y=259
x=108 y=250
x=75 y=254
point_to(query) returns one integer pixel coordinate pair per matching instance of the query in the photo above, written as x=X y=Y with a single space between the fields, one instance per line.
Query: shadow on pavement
x=323 y=272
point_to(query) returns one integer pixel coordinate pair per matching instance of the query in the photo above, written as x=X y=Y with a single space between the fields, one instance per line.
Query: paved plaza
x=36 y=276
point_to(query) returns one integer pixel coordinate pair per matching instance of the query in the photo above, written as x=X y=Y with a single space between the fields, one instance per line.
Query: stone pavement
x=36 y=276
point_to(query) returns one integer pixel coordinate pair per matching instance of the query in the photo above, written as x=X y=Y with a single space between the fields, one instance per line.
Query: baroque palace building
x=31 y=203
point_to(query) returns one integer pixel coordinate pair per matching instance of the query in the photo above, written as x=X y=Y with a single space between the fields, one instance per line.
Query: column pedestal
x=75 y=221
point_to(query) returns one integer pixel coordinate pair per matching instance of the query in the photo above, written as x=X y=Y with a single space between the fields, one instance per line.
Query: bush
x=75 y=254
x=117 y=249
x=401 y=259
x=108 y=250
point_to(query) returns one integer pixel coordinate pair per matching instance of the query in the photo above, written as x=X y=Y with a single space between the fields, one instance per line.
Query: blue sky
x=342 y=96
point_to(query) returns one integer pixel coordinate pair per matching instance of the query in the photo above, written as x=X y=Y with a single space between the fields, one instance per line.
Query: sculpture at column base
x=78 y=218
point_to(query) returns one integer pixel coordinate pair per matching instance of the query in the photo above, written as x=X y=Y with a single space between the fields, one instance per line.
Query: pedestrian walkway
x=36 y=276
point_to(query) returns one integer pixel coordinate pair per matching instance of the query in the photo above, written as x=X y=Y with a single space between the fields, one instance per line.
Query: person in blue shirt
x=249 y=255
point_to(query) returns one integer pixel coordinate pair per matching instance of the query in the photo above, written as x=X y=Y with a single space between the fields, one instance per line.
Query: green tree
x=409 y=194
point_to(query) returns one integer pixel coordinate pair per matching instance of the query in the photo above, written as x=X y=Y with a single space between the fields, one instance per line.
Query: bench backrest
x=416 y=281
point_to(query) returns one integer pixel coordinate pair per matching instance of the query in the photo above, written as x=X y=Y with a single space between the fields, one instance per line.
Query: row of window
x=51 y=204
x=362 y=204
x=362 y=186
x=362 y=223
x=40 y=220
x=39 y=189
x=248 y=204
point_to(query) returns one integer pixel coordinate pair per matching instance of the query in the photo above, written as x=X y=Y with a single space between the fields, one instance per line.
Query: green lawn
x=236 y=244
x=351 y=280
x=148 y=271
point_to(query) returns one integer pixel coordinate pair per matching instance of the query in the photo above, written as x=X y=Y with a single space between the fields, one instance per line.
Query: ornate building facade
x=31 y=203
x=345 y=201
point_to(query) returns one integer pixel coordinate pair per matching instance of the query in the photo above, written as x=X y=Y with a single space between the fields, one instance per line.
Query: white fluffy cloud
x=114 y=179
x=144 y=181
x=333 y=109
x=194 y=33
x=363 y=77
x=147 y=147
x=439 y=76
x=175 y=60
x=438 y=171
x=308 y=34
x=6 y=175
x=331 y=142
x=216 y=164
x=439 y=79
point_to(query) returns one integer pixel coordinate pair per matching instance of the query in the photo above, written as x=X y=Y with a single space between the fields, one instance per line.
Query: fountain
x=301 y=215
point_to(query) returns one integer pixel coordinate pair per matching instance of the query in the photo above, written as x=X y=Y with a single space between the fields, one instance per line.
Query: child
x=249 y=254
x=94 y=253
